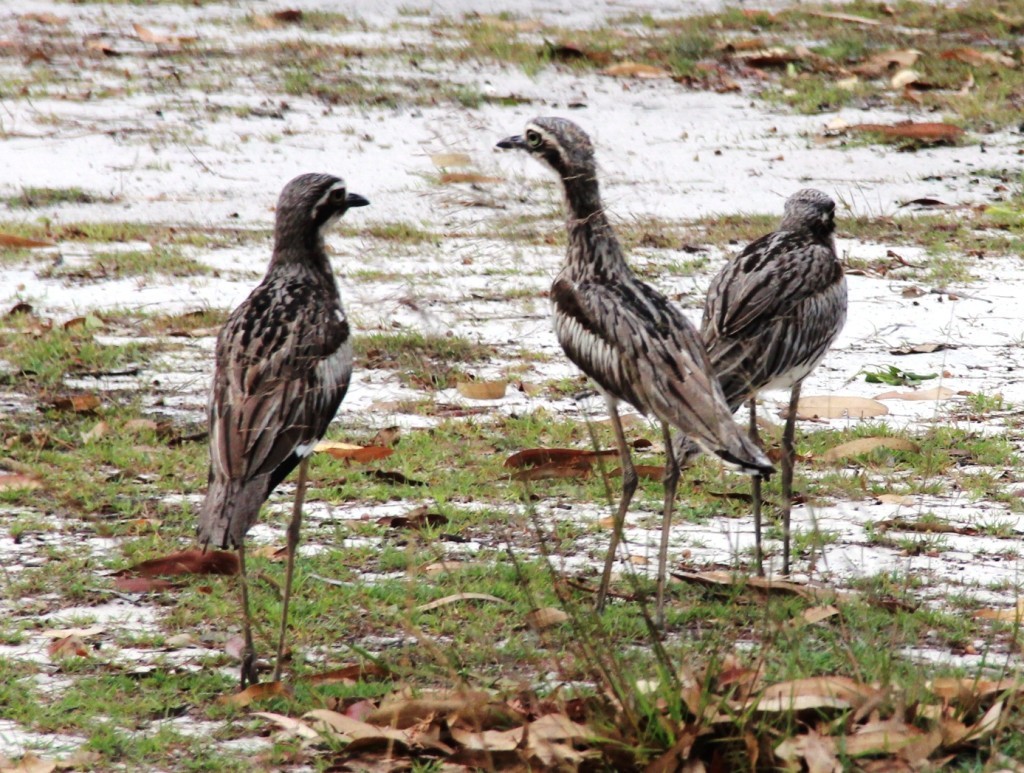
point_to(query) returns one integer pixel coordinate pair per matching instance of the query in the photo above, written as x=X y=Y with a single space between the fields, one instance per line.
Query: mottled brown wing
x=641 y=349
x=765 y=283
x=275 y=391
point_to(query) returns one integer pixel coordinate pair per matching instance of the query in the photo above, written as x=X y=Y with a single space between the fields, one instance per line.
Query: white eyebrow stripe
x=323 y=199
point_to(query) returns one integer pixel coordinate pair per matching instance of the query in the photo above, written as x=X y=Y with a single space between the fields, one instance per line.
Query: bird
x=770 y=316
x=630 y=339
x=283 y=363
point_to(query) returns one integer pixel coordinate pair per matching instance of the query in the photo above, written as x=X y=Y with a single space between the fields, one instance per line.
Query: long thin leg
x=755 y=493
x=249 y=675
x=293 y=544
x=788 y=459
x=671 y=480
x=628 y=488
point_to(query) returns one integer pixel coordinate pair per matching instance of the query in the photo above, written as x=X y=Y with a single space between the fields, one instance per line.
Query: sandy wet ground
x=217 y=156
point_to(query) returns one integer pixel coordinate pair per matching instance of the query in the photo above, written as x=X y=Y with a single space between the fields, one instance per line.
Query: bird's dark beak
x=355 y=200
x=512 y=142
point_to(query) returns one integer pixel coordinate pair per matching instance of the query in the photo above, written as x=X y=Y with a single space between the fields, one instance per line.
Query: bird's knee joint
x=629 y=480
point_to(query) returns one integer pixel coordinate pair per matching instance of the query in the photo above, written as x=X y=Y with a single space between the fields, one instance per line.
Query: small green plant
x=979 y=402
x=897 y=377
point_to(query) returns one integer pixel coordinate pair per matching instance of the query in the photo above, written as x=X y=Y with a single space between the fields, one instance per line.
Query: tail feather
x=752 y=462
x=736 y=450
x=229 y=511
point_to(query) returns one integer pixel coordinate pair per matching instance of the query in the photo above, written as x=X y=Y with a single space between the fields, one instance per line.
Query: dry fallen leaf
x=104 y=48
x=840 y=406
x=14 y=481
x=458 y=597
x=356 y=672
x=776 y=56
x=935 y=393
x=292 y=727
x=865 y=445
x=914 y=292
x=419 y=518
x=653 y=472
x=557 y=727
x=254 y=692
x=81 y=633
x=147 y=35
x=333 y=724
x=976 y=58
x=443 y=567
x=904 y=78
x=1015 y=615
x=546 y=463
x=48 y=19
x=968 y=691
x=814 y=615
x=847 y=17
x=884 y=62
x=67 y=647
x=141 y=425
x=759 y=585
x=489 y=740
x=443 y=160
x=814 y=692
x=142 y=584
x=77 y=403
x=929 y=526
x=352 y=451
x=895 y=499
x=546 y=617
x=21 y=242
x=534 y=457
x=885 y=737
x=185 y=562
x=474 y=706
x=923 y=132
x=579 y=468
x=635 y=70
x=29 y=763
x=99 y=429
x=482 y=390
x=476 y=178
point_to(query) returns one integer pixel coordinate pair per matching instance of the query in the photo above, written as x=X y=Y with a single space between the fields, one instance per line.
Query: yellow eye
x=533 y=139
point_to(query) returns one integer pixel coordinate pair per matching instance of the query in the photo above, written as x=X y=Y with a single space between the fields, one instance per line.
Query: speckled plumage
x=283 y=365
x=625 y=335
x=772 y=313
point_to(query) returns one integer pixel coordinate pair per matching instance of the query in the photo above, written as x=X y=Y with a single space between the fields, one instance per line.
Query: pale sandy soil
x=169 y=157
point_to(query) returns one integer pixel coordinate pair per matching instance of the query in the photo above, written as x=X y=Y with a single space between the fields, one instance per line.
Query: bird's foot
x=249 y=674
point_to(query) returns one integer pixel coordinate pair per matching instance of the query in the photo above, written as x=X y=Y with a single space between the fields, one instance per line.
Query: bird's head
x=559 y=143
x=810 y=209
x=309 y=205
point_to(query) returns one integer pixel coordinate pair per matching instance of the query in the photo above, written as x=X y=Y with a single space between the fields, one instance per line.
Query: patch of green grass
x=191 y=322
x=938 y=452
x=397 y=232
x=45 y=356
x=464 y=642
x=686 y=46
x=37 y=198
x=337 y=88
x=981 y=403
x=498 y=40
x=427 y=361
x=158 y=261
x=131 y=231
